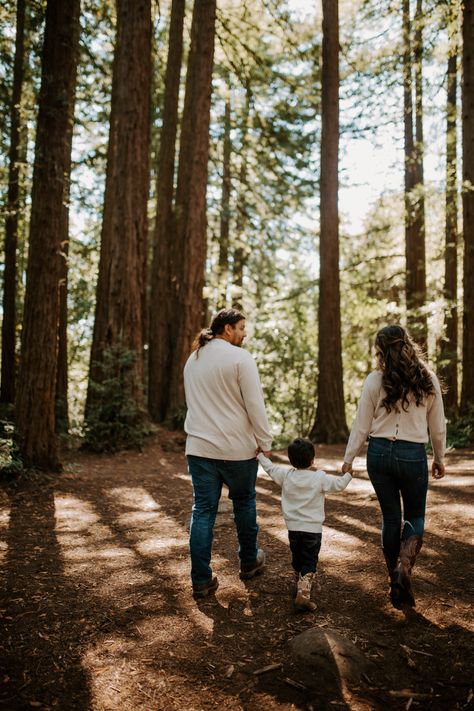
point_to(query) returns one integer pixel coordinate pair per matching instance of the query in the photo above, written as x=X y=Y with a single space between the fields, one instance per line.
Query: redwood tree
x=467 y=392
x=415 y=286
x=8 y=375
x=190 y=244
x=35 y=403
x=223 y=262
x=449 y=343
x=118 y=326
x=330 y=424
x=163 y=287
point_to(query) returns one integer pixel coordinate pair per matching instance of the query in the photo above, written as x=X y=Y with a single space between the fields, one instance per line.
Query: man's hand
x=267 y=454
x=438 y=470
x=346 y=468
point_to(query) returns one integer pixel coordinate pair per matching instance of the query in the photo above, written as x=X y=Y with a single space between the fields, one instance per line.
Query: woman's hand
x=438 y=470
x=346 y=468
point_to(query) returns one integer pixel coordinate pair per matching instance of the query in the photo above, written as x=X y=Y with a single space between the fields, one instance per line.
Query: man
x=225 y=423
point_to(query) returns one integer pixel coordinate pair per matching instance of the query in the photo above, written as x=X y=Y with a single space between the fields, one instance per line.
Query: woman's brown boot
x=409 y=550
x=392 y=563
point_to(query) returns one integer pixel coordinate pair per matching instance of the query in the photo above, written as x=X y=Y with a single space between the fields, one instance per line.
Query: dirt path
x=97 y=611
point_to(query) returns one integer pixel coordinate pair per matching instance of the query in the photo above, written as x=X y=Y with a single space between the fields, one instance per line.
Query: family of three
x=228 y=435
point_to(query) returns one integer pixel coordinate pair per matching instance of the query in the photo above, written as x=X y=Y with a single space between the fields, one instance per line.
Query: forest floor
x=97 y=611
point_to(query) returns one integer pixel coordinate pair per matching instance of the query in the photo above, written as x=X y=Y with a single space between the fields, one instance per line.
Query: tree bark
x=35 y=405
x=8 y=371
x=330 y=424
x=467 y=392
x=223 y=264
x=121 y=285
x=62 y=409
x=163 y=287
x=190 y=245
x=414 y=188
x=449 y=343
x=240 y=253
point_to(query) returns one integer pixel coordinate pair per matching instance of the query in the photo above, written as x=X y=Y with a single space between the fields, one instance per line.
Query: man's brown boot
x=409 y=550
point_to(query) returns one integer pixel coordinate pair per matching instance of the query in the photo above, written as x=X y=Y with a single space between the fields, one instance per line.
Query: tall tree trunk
x=449 y=343
x=330 y=424
x=8 y=375
x=35 y=404
x=190 y=209
x=240 y=252
x=223 y=264
x=467 y=392
x=119 y=318
x=163 y=288
x=414 y=198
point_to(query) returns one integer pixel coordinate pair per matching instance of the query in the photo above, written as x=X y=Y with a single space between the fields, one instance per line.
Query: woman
x=400 y=402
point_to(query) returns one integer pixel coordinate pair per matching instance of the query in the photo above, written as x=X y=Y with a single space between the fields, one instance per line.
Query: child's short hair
x=301 y=453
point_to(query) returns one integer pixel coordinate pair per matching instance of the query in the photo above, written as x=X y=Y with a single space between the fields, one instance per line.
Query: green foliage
x=286 y=343
x=11 y=464
x=461 y=430
x=115 y=421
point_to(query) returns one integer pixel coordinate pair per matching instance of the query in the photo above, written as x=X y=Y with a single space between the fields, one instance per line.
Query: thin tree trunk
x=330 y=424
x=8 y=374
x=414 y=198
x=163 y=287
x=62 y=410
x=240 y=252
x=190 y=210
x=449 y=344
x=467 y=393
x=223 y=264
x=120 y=296
x=35 y=405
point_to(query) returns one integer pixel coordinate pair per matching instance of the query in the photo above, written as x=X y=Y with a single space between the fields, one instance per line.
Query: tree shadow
x=41 y=648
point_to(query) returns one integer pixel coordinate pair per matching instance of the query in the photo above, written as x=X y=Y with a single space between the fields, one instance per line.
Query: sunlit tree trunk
x=190 y=245
x=119 y=317
x=414 y=186
x=35 y=404
x=223 y=264
x=467 y=392
x=163 y=286
x=330 y=424
x=449 y=343
x=8 y=374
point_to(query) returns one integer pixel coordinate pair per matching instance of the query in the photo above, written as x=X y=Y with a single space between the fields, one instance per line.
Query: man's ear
x=228 y=329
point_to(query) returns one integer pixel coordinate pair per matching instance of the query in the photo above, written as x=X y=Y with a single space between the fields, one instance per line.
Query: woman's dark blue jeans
x=398 y=471
x=208 y=476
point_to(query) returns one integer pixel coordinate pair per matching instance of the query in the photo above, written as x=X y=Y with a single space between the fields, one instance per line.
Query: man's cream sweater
x=412 y=425
x=226 y=416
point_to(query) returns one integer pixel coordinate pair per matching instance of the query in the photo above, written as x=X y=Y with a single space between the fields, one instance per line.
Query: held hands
x=265 y=454
x=346 y=468
x=438 y=470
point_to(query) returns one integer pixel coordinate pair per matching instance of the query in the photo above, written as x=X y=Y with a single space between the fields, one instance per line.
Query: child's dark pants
x=305 y=547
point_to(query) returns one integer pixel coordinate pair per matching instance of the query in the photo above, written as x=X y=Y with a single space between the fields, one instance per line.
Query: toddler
x=302 y=503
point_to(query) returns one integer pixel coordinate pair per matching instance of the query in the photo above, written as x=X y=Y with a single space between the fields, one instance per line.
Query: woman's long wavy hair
x=216 y=327
x=403 y=370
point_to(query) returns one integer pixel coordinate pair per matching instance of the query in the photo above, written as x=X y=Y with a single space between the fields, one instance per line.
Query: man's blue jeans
x=208 y=476
x=399 y=469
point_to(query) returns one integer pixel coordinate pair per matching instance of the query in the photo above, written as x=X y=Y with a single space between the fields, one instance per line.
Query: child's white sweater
x=302 y=494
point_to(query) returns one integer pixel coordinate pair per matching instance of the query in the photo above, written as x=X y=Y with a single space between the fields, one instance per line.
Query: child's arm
x=276 y=472
x=335 y=483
